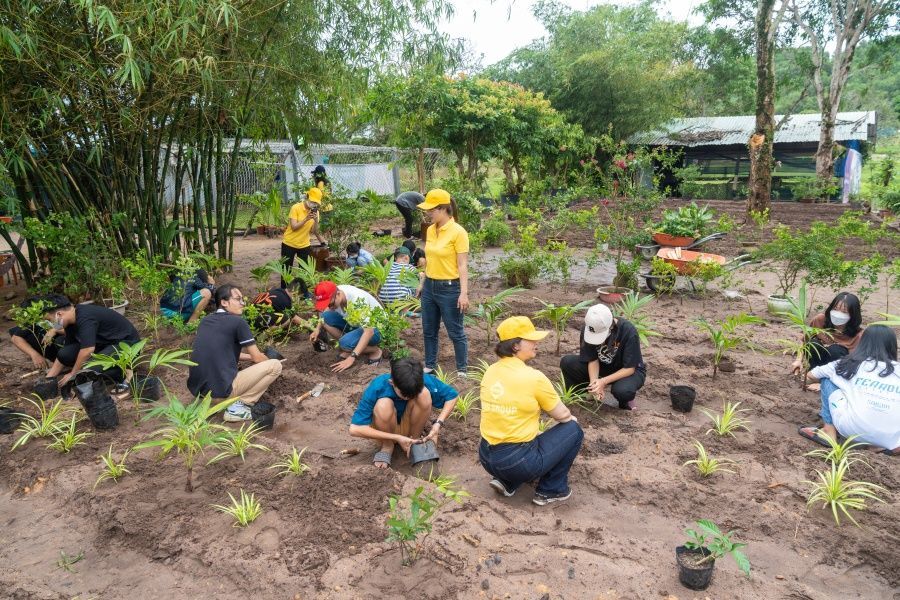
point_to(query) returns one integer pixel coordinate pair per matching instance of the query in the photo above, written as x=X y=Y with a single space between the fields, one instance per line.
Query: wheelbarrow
x=685 y=261
x=648 y=251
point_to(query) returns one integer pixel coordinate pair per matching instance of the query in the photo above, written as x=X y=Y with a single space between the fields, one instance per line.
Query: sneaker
x=237 y=412
x=428 y=370
x=462 y=374
x=501 y=488
x=542 y=499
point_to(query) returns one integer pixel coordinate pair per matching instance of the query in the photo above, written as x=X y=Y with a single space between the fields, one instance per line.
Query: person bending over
x=332 y=301
x=417 y=255
x=395 y=409
x=860 y=393
x=89 y=329
x=276 y=305
x=187 y=299
x=393 y=289
x=610 y=356
x=41 y=343
x=357 y=256
x=407 y=203
x=512 y=398
x=223 y=339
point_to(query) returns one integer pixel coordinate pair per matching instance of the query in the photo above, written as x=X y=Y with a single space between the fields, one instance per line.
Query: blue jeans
x=351 y=336
x=439 y=298
x=549 y=457
x=826 y=388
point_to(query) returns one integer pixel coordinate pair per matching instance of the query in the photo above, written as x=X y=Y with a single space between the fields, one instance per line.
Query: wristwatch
x=439 y=422
x=354 y=355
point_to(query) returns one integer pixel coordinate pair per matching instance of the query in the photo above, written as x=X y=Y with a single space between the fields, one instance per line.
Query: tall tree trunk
x=760 y=184
x=825 y=150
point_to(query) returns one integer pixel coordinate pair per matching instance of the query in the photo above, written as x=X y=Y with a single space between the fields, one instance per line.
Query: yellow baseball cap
x=520 y=327
x=435 y=197
x=314 y=194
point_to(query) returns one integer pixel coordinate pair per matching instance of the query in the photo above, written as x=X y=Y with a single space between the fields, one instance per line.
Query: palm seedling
x=307 y=273
x=112 y=468
x=632 y=309
x=410 y=304
x=48 y=422
x=291 y=463
x=729 y=421
x=804 y=347
x=189 y=431
x=342 y=276
x=260 y=276
x=464 y=405
x=237 y=443
x=838 y=452
x=836 y=492
x=706 y=465
x=726 y=336
x=491 y=309
x=244 y=511
x=282 y=271
x=374 y=275
x=131 y=357
x=68 y=437
x=558 y=316
x=570 y=395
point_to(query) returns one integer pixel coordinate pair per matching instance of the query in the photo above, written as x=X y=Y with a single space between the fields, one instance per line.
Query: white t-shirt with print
x=353 y=294
x=867 y=405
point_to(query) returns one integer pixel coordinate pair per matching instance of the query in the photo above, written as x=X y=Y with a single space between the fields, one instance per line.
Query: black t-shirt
x=100 y=327
x=217 y=349
x=279 y=300
x=621 y=350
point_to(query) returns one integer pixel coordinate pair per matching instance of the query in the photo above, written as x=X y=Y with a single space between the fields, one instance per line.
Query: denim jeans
x=439 y=298
x=826 y=388
x=549 y=457
x=351 y=335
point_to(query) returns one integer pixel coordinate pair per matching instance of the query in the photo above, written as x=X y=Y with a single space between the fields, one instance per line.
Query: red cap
x=324 y=292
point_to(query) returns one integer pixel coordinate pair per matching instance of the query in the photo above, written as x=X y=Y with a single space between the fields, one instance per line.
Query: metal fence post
x=395 y=156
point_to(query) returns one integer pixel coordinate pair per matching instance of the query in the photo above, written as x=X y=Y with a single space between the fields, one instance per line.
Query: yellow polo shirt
x=300 y=238
x=441 y=248
x=512 y=398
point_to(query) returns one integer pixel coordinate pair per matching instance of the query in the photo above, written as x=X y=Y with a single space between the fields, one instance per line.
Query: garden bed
x=322 y=535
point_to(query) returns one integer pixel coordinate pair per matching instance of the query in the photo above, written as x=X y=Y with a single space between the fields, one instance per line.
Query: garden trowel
x=314 y=393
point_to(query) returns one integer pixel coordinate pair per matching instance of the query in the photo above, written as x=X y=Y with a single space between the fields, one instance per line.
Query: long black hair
x=853 y=309
x=878 y=343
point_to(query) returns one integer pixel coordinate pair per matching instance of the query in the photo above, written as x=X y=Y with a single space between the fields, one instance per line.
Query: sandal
x=375 y=361
x=382 y=457
x=816 y=435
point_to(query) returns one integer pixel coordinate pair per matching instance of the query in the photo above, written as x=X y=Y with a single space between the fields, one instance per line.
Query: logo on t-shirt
x=606 y=354
x=497 y=391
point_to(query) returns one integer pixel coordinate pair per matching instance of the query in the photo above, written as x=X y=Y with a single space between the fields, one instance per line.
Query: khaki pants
x=252 y=382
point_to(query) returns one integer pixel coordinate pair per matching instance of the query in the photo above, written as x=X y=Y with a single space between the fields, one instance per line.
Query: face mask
x=58 y=324
x=839 y=318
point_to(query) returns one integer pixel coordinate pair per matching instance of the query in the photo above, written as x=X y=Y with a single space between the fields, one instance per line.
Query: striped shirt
x=392 y=289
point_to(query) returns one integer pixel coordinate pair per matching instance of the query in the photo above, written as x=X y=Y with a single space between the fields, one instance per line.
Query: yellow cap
x=314 y=194
x=520 y=327
x=435 y=197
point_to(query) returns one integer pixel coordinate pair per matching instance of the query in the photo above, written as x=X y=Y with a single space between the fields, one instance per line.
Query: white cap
x=597 y=323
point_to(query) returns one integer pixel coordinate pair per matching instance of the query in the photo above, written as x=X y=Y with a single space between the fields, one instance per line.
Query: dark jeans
x=33 y=338
x=68 y=354
x=439 y=298
x=549 y=457
x=822 y=355
x=624 y=390
x=408 y=219
x=287 y=254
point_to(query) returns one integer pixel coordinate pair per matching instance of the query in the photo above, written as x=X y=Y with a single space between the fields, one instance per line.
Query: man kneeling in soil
x=224 y=338
x=397 y=406
x=354 y=342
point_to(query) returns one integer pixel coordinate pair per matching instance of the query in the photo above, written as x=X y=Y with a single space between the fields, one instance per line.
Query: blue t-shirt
x=381 y=388
x=360 y=260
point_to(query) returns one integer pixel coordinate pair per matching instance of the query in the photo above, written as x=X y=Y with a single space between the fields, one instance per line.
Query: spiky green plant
x=237 y=443
x=804 y=346
x=261 y=275
x=707 y=465
x=244 y=511
x=342 y=276
x=570 y=395
x=490 y=310
x=465 y=404
x=307 y=273
x=632 y=308
x=374 y=275
x=112 y=468
x=407 y=305
x=68 y=437
x=729 y=421
x=558 y=316
x=544 y=425
x=292 y=463
x=836 y=492
x=447 y=377
x=48 y=422
x=726 y=336
x=837 y=452
x=131 y=357
x=476 y=372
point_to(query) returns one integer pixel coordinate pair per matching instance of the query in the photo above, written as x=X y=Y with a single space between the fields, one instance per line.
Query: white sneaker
x=237 y=412
x=462 y=375
x=427 y=370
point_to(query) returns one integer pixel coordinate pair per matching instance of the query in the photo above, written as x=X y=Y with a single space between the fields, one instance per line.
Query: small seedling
x=718 y=544
x=405 y=529
x=476 y=372
x=65 y=561
x=836 y=492
x=726 y=337
x=570 y=395
x=839 y=452
x=237 y=443
x=48 y=423
x=632 y=308
x=67 y=438
x=490 y=310
x=464 y=405
x=729 y=421
x=291 y=463
x=446 y=377
x=558 y=316
x=112 y=468
x=707 y=465
x=805 y=345
x=544 y=425
x=245 y=511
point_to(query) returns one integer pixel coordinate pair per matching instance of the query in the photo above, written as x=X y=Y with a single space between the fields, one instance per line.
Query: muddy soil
x=322 y=535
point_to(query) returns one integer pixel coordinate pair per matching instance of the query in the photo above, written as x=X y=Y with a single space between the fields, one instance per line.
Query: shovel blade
x=317 y=391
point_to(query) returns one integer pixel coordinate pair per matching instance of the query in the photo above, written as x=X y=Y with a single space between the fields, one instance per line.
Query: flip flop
x=890 y=453
x=375 y=361
x=815 y=437
x=382 y=457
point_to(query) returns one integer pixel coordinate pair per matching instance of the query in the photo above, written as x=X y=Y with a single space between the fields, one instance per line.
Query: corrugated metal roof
x=726 y=131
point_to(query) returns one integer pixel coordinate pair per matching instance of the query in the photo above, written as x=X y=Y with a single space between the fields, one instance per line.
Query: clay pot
x=611 y=294
x=682 y=397
x=664 y=239
x=690 y=574
x=320 y=254
x=260 y=230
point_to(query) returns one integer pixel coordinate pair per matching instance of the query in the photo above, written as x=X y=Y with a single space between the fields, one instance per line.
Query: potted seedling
x=682 y=227
x=726 y=336
x=805 y=345
x=696 y=559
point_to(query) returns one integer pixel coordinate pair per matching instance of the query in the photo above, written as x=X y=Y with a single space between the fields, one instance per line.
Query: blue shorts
x=186 y=313
x=351 y=335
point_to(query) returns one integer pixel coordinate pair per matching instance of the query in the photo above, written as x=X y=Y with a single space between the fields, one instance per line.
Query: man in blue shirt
x=357 y=256
x=395 y=408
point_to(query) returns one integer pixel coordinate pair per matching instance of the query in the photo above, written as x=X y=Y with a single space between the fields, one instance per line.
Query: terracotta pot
x=260 y=230
x=611 y=294
x=334 y=262
x=6 y=219
x=664 y=239
x=320 y=254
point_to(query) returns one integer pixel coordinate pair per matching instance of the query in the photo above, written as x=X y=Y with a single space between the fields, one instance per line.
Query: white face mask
x=839 y=318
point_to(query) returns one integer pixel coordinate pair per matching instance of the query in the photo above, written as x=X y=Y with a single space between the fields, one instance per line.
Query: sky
x=496 y=28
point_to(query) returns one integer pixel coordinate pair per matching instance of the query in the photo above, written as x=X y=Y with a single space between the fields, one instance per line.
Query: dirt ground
x=322 y=536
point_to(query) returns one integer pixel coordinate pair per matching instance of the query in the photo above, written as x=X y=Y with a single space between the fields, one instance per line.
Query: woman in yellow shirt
x=512 y=398
x=303 y=220
x=445 y=292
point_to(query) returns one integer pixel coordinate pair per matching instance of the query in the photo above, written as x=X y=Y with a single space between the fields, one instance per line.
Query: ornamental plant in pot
x=683 y=226
x=696 y=559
